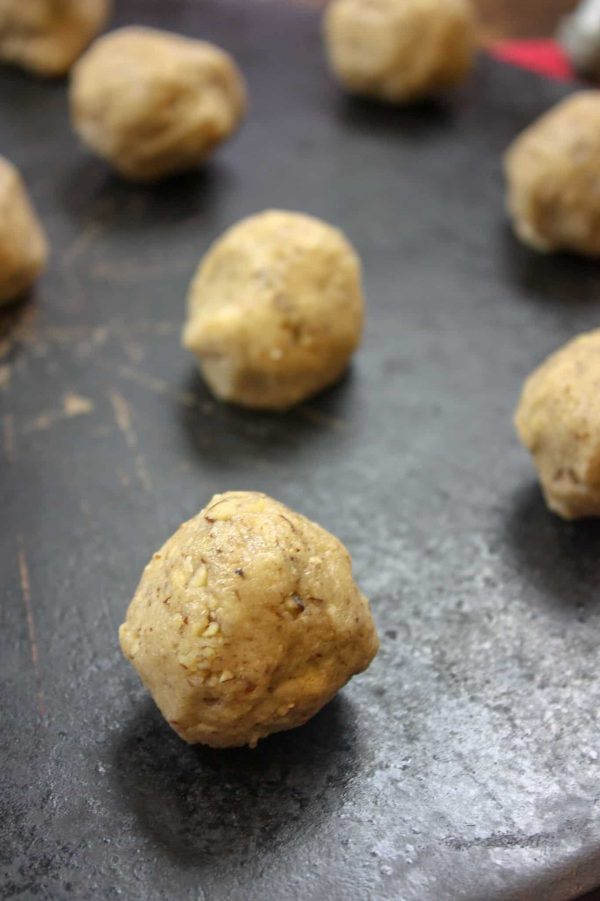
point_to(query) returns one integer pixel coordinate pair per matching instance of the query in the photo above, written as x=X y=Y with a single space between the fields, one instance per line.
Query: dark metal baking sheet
x=465 y=764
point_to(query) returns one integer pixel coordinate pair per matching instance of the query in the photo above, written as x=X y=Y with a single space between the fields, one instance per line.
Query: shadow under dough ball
x=552 y=170
x=153 y=103
x=46 y=36
x=558 y=420
x=399 y=50
x=247 y=622
x=23 y=245
x=275 y=310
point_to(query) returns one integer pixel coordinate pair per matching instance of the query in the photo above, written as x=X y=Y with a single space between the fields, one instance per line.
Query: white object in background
x=579 y=35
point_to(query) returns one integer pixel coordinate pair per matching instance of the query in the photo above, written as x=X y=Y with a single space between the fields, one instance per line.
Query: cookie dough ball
x=399 y=50
x=275 y=310
x=23 y=247
x=558 y=420
x=552 y=171
x=246 y=622
x=47 y=36
x=154 y=103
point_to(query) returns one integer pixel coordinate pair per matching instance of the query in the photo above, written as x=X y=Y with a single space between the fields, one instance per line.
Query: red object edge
x=543 y=56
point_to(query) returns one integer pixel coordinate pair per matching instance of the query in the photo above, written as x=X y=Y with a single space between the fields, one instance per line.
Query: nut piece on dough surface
x=275 y=310
x=23 y=246
x=399 y=50
x=47 y=36
x=552 y=173
x=153 y=103
x=558 y=420
x=247 y=622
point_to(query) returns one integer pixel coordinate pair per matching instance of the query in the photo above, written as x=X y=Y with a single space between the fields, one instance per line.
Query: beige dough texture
x=275 y=310
x=558 y=420
x=23 y=246
x=553 y=175
x=246 y=622
x=399 y=50
x=153 y=103
x=47 y=36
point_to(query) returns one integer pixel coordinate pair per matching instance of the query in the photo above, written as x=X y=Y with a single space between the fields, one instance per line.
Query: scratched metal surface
x=465 y=764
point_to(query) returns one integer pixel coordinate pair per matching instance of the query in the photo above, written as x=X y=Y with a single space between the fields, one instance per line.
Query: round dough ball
x=47 y=36
x=275 y=310
x=246 y=622
x=399 y=50
x=552 y=171
x=23 y=246
x=558 y=420
x=154 y=103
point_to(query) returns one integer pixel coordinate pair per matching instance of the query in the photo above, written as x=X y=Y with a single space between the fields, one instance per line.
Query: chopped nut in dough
x=399 y=50
x=275 y=310
x=153 y=103
x=23 y=246
x=553 y=175
x=558 y=420
x=47 y=36
x=275 y=630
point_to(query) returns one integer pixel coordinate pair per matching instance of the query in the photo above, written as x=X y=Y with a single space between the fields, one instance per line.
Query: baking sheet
x=464 y=764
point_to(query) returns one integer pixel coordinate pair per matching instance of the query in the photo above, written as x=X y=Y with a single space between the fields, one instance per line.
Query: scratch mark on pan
x=124 y=422
x=86 y=509
x=33 y=645
x=156 y=385
x=134 y=351
x=333 y=422
x=5 y=373
x=123 y=418
x=76 y=405
x=70 y=257
x=8 y=430
x=82 y=242
x=70 y=335
x=72 y=405
x=123 y=477
x=132 y=273
x=99 y=335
